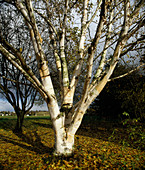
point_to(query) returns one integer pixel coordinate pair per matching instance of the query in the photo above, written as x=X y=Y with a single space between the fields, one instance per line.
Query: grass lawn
x=95 y=147
x=25 y=117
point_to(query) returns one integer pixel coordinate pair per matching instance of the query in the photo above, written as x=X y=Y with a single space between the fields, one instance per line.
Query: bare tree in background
x=14 y=87
x=19 y=93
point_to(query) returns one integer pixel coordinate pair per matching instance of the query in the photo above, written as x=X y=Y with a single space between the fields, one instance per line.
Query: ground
x=96 y=147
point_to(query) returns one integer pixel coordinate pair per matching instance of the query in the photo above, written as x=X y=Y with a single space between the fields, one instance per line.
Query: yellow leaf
x=67 y=164
x=20 y=50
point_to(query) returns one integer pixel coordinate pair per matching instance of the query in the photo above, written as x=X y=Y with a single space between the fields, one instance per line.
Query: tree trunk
x=64 y=144
x=64 y=141
x=65 y=133
x=19 y=124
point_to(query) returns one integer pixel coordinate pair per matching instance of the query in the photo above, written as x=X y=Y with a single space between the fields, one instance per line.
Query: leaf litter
x=33 y=149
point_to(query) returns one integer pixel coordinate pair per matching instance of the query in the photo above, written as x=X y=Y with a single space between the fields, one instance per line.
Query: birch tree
x=86 y=39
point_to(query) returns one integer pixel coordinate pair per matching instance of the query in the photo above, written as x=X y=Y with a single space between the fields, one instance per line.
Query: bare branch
x=15 y=81
x=130 y=46
x=94 y=15
x=92 y=49
x=48 y=22
x=30 y=76
x=123 y=75
x=78 y=67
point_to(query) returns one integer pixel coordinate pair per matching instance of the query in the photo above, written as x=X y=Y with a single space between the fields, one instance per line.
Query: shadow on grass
x=100 y=129
x=96 y=130
x=37 y=117
x=36 y=145
x=1 y=167
x=10 y=123
x=45 y=125
x=7 y=124
x=89 y=127
x=105 y=130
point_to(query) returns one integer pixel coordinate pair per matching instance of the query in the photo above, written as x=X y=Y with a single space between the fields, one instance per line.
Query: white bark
x=107 y=41
x=78 y=67
x=64 y=145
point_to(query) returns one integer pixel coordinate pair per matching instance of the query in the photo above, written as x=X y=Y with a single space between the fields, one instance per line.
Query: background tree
x=103 y=30
x=16 y=90
x=14 y=87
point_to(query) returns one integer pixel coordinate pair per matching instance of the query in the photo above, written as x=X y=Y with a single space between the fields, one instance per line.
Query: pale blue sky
x=5 y=106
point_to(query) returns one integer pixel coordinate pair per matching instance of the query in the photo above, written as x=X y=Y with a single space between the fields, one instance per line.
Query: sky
x=5 y=106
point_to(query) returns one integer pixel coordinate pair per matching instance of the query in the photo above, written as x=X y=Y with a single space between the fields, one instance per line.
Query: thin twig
x=123 y=75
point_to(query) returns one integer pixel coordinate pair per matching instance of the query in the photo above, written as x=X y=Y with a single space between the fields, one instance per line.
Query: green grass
x=33 y=149
x=7 y=117
x=26 y=117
